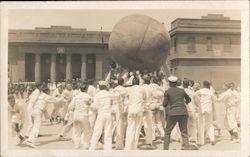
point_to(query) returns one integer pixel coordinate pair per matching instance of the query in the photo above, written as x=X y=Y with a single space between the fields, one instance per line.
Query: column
x=83 y=67
x=99 y=60
x=38 y=68
x=68 y=67
x=53 y=68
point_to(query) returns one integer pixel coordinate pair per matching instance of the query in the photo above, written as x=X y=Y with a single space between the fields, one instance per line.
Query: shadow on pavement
x=51 y=141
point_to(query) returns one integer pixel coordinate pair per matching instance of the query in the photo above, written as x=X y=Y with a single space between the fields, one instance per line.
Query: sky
x=93 y=20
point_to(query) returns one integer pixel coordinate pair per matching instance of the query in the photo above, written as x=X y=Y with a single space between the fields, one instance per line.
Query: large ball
x=139 y=42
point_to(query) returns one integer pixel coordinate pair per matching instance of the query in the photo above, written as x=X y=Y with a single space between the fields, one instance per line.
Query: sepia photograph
x=125 y=78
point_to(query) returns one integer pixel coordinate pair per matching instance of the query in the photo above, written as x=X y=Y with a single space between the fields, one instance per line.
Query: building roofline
x=194 y=19
x=72 y=30
x=58 y=28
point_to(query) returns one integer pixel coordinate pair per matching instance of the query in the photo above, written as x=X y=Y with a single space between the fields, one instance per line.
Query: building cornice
x=213 y=23
x=58 y=34
x=204 y=31
x=206 y=56
x=53 y=44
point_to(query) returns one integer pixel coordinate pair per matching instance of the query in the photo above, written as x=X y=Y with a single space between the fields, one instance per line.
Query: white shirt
x=75 y=92
x=148 y=91
x=68 y=95
x=103 y=101
x=206 y=100
x=212 y=90
x=16 y=113
x=56 y=93
x=229 y=97
x=43 y=101
x=122 y=99
x=157 y=96
x=80 y=104
x=91 y=90
x=130 y=79
x=191 y=105
x=33 y=98
x=136 y=97
x=165 y=85
x=58 y=98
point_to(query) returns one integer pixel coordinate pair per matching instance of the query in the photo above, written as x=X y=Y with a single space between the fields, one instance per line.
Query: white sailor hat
x=103 y=83
x=172 y=78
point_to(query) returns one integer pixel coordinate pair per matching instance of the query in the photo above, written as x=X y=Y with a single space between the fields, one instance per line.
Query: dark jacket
x=174 y=101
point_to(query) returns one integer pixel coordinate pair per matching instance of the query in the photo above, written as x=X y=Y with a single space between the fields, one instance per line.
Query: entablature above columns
x=58 y=48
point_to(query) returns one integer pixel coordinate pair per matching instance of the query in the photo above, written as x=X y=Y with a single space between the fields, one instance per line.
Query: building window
x=209 y=44
x=191 y=44
x=175 y=44
x=29 y=67
x=227 y=45
x=91 y=66
x=175 y=71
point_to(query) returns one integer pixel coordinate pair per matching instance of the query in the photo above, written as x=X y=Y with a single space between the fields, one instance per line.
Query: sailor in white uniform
x=103 y=104
x=80 y=105
x=136 y=104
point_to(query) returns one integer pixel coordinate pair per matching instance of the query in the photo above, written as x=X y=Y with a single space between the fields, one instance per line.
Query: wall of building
x=106 y=64
x=17 y=53
x=16 y=66
x=216 y=74
x=200 y=42
x=206 y=49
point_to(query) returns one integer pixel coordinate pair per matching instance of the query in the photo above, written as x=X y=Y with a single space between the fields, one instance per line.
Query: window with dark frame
x=191 y=48
x=209 y=44
x=227 y=45
x=175 y=44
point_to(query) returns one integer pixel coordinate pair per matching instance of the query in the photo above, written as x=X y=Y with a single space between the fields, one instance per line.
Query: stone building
x=201 y=49
x=206 y=49
x=57 y=53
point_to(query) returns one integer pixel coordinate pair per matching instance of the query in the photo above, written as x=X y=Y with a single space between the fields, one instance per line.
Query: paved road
x=49 y=140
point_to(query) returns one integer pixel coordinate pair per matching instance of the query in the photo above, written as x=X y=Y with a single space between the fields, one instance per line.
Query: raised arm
x=187 y=98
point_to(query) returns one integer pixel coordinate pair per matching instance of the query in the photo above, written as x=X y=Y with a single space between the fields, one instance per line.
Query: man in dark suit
x=175 y=100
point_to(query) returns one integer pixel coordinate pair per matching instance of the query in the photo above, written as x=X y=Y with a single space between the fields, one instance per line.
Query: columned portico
x=57 y=53
x=53 y=68
x=98 y=67
x=38 y=68
x=68 y=67
x=60 y=67
x=83 y=67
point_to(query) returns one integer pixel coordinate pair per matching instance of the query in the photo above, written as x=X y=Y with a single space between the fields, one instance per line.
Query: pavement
x=49 y=138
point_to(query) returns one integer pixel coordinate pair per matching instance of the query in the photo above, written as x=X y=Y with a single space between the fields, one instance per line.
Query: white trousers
x=64 y=110
x=30 y=121
x=192 y=126
x=81 y=127
x=119 y=129
x=56 y=111
x=205 y=125
x=92 y=118
x=36 y=117
x=148 y=126
x=158 y=115
x=68 y=126
x=133 y=131
x=104 y=122
x=30 y=124
x=231 y=118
